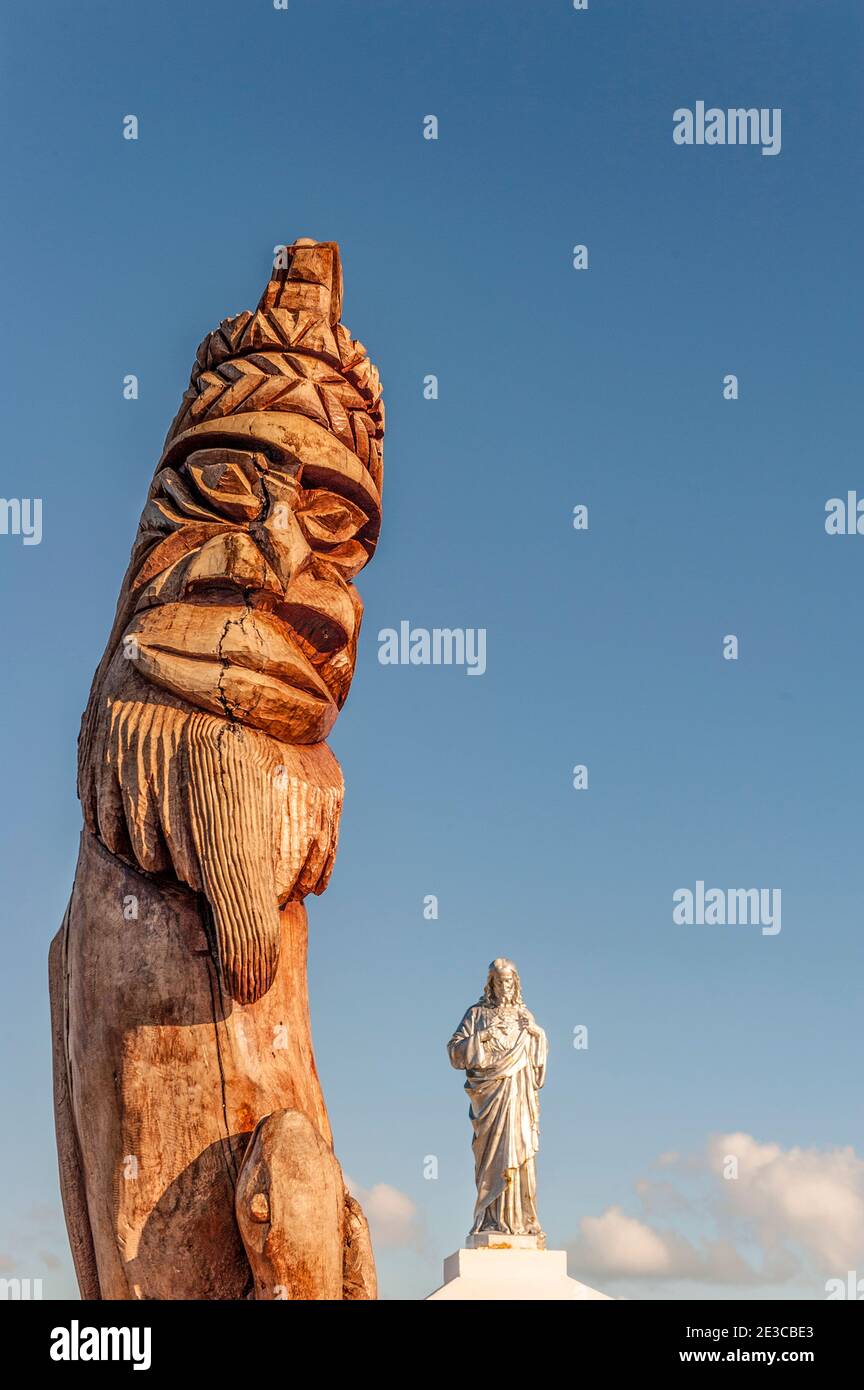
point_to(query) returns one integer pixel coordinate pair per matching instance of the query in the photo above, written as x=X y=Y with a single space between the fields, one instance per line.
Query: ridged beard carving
x=239 y=817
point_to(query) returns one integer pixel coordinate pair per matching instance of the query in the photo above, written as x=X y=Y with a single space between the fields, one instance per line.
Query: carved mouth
x=237 y=661
x=317 y=630
x=302 y=677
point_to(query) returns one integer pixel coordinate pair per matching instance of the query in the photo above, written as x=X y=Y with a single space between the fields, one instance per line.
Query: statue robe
x=503 y=1078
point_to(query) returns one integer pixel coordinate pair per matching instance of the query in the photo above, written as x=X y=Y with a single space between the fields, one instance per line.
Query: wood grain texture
x=211 y=809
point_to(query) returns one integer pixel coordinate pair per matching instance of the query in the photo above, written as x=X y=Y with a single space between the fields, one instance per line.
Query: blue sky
x=556 y=387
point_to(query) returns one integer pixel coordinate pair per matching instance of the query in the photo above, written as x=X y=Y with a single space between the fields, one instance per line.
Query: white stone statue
x=503 y=1054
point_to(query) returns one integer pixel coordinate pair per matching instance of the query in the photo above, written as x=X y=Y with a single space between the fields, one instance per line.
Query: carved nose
x=230 y=558
x=283 y=542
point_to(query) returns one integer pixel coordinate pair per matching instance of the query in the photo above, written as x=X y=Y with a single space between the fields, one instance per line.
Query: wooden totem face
x=236 y=632
x=264 y=507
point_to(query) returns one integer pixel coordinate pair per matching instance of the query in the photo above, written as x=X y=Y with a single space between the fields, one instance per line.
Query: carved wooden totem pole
x=196 y=1157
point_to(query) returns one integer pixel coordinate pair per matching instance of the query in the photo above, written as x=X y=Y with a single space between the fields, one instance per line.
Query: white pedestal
x=510 y=1273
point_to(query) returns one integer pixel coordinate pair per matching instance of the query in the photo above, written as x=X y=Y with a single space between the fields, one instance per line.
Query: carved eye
x=228 y=480
x=328 y=518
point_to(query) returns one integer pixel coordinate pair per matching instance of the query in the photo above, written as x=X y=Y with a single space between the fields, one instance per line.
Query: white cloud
x=618 y=1246
x=394 y=1221
x=812 y=1198
x=620 y=1243
x=793 y=1211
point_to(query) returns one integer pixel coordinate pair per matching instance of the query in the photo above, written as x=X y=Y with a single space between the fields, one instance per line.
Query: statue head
x=502 y=983
x=202 y=751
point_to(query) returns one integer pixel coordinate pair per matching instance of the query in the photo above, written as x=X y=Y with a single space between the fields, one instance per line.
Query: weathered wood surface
x=211 y=808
